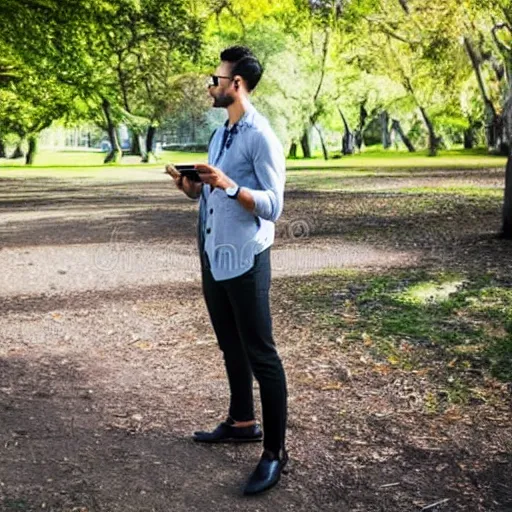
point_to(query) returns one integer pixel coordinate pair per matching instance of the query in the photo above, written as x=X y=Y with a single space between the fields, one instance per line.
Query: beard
x=222 y=101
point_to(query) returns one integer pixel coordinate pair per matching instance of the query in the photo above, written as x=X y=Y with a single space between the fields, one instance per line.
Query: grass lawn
x=371 y=159
x=73 y=159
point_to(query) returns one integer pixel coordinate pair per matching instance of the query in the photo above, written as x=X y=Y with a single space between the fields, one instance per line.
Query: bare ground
x=108 y=361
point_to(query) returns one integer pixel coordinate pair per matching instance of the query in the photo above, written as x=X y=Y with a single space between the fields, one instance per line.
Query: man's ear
x=237 y=81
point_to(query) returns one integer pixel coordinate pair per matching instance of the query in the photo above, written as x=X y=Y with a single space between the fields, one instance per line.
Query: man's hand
x=214 y=177
x=191 y=188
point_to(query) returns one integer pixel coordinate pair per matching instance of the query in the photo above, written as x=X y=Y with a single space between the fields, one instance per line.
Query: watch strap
x=235 y=195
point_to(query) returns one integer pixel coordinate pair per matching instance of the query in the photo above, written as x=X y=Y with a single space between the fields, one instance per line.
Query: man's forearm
x=246 y=200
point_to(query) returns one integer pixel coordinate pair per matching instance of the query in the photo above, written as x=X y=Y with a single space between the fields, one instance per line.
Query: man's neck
x=237 y=110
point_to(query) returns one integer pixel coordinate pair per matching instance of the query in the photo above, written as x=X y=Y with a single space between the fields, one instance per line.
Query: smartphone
x=189 y=171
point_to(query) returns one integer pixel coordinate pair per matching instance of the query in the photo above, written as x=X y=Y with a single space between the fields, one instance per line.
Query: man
x=241 y=197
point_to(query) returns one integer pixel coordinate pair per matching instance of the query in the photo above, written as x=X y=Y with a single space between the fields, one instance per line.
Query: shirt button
x=208 y=231
x=211 y=211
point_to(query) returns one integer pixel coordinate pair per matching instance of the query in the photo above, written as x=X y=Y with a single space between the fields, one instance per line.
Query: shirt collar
x=243 y=120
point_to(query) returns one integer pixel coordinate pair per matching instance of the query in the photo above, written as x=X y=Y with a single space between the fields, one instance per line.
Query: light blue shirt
x=254 y=160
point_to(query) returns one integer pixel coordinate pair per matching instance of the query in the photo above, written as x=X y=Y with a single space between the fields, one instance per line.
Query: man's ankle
x=240 y=424
x=281 y=454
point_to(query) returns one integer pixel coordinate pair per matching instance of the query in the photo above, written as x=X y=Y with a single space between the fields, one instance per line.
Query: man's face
x=222 y=94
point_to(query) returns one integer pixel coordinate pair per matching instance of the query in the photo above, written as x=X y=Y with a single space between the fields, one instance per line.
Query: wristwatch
x=232 y=192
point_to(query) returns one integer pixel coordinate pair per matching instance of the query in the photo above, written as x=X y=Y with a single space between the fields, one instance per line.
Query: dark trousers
x=240 y=314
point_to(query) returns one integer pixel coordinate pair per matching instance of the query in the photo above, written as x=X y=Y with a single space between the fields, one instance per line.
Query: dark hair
x=244 y=63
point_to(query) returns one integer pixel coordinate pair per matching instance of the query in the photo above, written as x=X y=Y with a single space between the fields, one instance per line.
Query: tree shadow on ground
x=62 y=447
x=149 y=223
x=72 y=445
x=447 y=229
x=43 y=303
x=343 y=175
x=148 y=211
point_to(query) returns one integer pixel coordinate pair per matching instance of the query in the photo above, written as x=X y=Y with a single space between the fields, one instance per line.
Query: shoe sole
x=263 y=490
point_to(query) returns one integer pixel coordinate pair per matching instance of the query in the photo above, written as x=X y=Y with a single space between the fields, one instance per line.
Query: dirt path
x=108 y=363
x=72 y=268
x=101 y=390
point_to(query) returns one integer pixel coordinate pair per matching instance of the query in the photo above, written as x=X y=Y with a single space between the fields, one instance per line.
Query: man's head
x=237 y=75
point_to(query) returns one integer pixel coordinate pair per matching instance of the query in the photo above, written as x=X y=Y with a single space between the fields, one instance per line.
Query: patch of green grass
x=15 y=504
x=430 y=291
x=500 y=355
x=466 y=190
x=46 y=158
x=420 y=310
x=84 y=159
x=450 y=159
x=416 y=319
x=370 y=159
x=125 y=171
x=92 y=174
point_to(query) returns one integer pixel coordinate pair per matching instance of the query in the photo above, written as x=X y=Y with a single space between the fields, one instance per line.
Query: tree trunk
x=293 y=150
x=347 y=143
x=150 y=136
x=493 y=130
x=324 y=147
x=32 y=150
x=358 y=135
x=18 y=152
x=363 y=116
x=384 y=123
x=304 y=142
x=495 y=134
x=115 y=152
x=506 y=230
x=433 y=141
x=3 y=153
x=397 y=128
x=469 y=138
x=135 y=145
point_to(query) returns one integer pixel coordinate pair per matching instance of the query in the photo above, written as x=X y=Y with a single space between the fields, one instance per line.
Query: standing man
x=241 y=197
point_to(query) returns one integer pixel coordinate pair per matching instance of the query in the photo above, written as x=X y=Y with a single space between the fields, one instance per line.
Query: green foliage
x=126 y=52
x=148 y=59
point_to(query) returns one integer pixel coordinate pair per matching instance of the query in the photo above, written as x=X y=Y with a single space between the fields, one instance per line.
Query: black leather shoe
x=226 y=433
x=267 y=473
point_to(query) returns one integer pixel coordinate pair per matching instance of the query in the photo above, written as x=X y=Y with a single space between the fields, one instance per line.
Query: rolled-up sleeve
x=270 y=168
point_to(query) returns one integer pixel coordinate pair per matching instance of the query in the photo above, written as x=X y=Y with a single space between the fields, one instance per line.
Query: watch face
x=231 y=191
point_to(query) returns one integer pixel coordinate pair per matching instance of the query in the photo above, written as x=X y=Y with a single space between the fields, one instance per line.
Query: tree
x=419 y=48
x=100 y=50
x=492 y=20
x=29 y=106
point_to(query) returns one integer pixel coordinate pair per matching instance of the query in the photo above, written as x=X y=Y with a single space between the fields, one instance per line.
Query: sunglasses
x=215 y=80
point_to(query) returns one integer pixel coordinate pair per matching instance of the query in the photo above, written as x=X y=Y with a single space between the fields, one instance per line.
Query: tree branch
x=405 y=6
x=286 y=96
x=501 y=45
x=384 y=27
x=325 y=51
